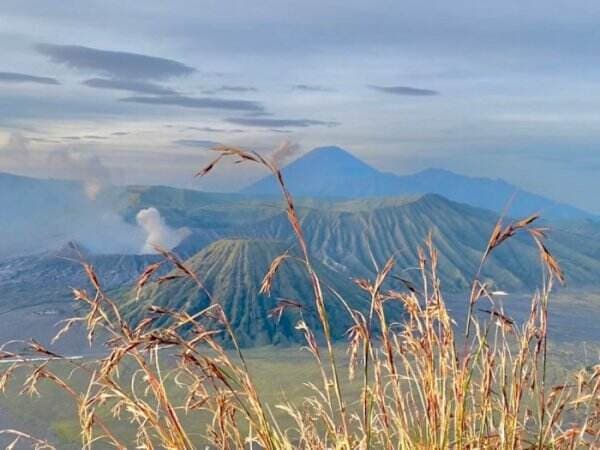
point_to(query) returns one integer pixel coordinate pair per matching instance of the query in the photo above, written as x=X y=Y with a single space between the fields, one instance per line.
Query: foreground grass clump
x=418 y=383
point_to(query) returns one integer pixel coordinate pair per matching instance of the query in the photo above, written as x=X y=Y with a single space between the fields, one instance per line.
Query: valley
x=232 y=239
x=230 y=242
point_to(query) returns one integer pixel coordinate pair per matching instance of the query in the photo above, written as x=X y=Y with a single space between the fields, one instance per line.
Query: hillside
x=188 y=208
x=232 y=271
x=234 y=238
x=332 y=172
x=48 y=277
x=349 y=235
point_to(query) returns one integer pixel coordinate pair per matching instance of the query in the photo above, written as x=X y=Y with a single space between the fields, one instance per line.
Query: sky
x=136 y=92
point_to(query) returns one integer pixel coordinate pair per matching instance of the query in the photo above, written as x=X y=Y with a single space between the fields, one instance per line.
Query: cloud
x=197 y=102
x=236 y=89
x=94 y=136
x=259 y=114
x=120 y=133
x=205 y=129
x=158 y=233
x=214 y=130
x=13 y=77
x=279 y=123
x=122 y=65
x=43 y=140
x=404 y=90
x=17 y=156
x=196 y=143
x=141 y=87
x=311 y=88
x=86 y=168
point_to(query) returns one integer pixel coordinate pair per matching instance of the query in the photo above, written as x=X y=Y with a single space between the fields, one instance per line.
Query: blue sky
x=135 y=91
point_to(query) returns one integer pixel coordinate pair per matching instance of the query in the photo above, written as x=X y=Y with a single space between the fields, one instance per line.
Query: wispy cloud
x=235 y=89
x=200 y=143
x=311 y=88
x=279 y=123
x=59 y=162
x=404 y=90
x=43 y=140
x=123 y=65
x=94 y=137
x=205 y=129
x=141 y=87
x=213 y=130
x=197 y=102
x=13 y=77
x=259 y=114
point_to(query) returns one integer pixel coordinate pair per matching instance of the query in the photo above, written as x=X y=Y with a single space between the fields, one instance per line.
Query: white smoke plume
x=158 y=233
x=61 y=163
x=284 y=152
x=31 y=225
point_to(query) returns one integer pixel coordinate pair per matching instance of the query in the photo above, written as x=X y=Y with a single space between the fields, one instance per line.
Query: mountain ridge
x=317 y=174
x=247 y=260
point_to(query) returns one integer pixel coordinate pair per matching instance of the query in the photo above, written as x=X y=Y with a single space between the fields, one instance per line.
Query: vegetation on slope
x=421 y=385
x=232 y=272
x=351 y=235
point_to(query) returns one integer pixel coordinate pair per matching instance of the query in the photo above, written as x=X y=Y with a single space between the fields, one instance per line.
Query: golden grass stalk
x=422 y=385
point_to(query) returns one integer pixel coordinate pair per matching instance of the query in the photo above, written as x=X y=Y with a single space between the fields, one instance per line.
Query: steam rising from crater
x=158 y=233
x=62 y=163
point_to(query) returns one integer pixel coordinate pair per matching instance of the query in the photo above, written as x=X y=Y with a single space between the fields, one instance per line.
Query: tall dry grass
x=423 y=383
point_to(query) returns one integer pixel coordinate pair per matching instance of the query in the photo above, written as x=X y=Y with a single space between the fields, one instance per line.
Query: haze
x=507 y=89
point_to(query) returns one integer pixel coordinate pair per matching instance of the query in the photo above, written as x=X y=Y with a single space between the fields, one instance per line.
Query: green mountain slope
x=349 y=236
x=346 y=240
x=232 y=271
x=193 y=209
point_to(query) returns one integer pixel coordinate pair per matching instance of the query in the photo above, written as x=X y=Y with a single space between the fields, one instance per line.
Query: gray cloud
x=205 y=129
x=120 y=133
x=404 y=90
x=259 y=114
x=197 y=102
x=311 y=88
x=141 y=87
x=123 y=65
x=13 y=77
x=42 y=140
x=279 y=123
x=236 y=89
x=214 y=130
x=94 y=136
x=196 y=143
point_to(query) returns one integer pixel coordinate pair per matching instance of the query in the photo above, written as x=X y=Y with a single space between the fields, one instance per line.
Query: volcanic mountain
x=232 y=271
x=332 y=172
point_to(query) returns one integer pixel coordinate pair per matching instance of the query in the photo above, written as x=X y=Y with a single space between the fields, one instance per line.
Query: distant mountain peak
x=322 y=172
x=332 y=172
x=331 y=151
x=331 y=158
